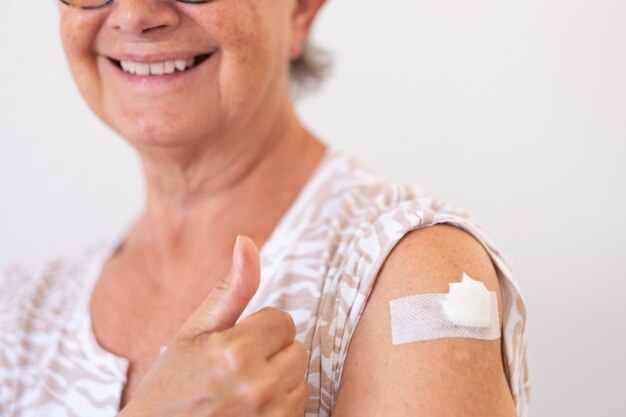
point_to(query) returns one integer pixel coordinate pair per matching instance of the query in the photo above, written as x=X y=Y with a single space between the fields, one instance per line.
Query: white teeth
x=128 y=66
x=180 y=64
x=157 y=68
x=169 y=67
x=142 y=69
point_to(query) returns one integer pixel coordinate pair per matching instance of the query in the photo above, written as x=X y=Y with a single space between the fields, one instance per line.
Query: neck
x=199 y=200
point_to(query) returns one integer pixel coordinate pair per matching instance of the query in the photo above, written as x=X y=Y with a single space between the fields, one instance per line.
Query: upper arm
x=436 y=378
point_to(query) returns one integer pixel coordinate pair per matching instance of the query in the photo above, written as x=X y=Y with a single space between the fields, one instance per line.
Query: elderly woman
x=161 y=320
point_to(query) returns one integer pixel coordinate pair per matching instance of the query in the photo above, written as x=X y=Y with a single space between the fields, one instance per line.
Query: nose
x=139 y=18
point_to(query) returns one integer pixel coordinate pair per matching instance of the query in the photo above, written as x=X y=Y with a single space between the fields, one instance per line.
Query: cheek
x=78 y=34
x=254 y=43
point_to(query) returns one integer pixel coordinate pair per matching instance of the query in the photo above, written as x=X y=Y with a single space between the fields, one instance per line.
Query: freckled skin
x=446 y=377
x=461 y=355
x=245 y=86
x=237 y=97
x=212 y=148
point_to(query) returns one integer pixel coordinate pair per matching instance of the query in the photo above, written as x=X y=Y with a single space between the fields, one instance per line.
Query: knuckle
x=237 y=355
x=269 y=313
x=262 y=314
x=278 y=316
x=256 y=393
x=301 y=351
x=285 y=320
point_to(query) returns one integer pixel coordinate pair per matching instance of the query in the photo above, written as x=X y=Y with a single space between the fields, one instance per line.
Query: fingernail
x=237 y=256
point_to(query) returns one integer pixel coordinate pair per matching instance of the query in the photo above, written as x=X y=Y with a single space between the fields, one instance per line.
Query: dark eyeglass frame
x=105 y=3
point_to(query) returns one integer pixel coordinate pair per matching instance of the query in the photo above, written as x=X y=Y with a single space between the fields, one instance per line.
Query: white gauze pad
x=469 y=310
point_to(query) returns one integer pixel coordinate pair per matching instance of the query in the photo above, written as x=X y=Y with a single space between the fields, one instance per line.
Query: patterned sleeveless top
x=319 y=264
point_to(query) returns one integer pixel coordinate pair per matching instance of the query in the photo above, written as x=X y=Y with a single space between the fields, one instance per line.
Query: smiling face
x=218 y=66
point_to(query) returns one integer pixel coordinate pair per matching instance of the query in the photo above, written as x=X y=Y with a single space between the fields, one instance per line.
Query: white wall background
x=514 y=111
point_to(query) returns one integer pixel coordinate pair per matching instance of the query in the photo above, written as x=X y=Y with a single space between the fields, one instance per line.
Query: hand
x=217 y=368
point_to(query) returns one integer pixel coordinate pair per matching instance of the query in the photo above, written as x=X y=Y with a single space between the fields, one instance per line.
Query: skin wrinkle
x=187 y=167
x=212 y=150
x=228 y=155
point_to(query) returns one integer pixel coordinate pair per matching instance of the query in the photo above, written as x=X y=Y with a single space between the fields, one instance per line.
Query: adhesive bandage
x=469 y=310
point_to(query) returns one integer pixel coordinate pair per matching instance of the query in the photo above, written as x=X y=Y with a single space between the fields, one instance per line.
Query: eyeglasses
x=98 y=4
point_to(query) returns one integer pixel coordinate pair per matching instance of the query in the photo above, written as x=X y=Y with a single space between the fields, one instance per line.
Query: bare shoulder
x=440 y=377
x=428 y=259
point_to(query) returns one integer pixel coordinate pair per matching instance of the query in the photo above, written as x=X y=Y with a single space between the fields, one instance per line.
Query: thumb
x=227 y=300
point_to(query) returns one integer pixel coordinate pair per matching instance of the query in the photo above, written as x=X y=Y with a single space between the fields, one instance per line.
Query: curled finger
x=289 y=366
x=288 y=404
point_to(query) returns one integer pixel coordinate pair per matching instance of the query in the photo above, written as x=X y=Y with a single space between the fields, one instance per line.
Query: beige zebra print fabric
x=319 y=264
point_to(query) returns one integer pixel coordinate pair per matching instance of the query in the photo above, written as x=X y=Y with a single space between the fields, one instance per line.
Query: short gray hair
x=310 y=70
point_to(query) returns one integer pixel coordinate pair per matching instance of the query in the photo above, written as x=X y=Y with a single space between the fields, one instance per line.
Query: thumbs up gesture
x=217 y=368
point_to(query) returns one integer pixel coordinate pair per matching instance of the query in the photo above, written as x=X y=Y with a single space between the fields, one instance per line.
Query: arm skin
x=436 y=378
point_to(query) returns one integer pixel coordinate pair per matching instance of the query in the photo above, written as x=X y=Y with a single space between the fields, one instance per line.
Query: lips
x=157 y=65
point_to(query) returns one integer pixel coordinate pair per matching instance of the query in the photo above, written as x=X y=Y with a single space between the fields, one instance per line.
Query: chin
x=146 y=128
x=160 y=137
